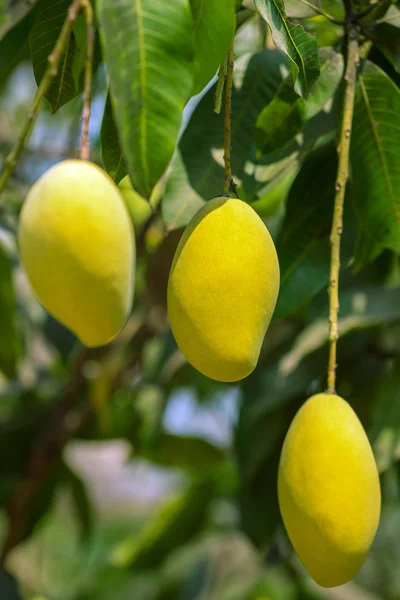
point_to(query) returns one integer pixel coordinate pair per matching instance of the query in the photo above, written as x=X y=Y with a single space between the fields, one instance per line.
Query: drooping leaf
x=214 y=28
x=185 y=452
x=387 y=39
x=81 y=502
x=174 y=525
x=67 y=84
x=111 y=153
x=300 y=48
x=148 y=47
x=303 y=244
x=284 y=116
x=197 y=172
x=375 y=156
x=14 y=44
x=9 y=339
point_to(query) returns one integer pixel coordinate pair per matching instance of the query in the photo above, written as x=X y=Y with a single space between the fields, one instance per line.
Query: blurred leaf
x=360 y=308
x=148 y=47
x=8 y=587
x=9 y=339
x=284 y=116
x=387 y=38
x=81 y=502
x=214 y=28
x=174 y=525
x=111 y=154
x=197 y=171
x=303 y=244
x=300 y=48
x=42 y=40
x=375 y=155
x=14 y=44
x=185 y=452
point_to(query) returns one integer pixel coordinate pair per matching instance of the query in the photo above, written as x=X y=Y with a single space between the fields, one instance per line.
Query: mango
x=222 y=289
x=328 y=489
x=139 y=208
x=76 y=244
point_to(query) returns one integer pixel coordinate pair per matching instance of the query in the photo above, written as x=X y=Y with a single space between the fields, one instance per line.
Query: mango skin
x=139 y=208
x=222 y=289
x=328 y=488
x=76 y=244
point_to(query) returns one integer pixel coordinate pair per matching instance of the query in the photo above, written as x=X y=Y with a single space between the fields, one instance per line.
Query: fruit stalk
x=229 y=185
x=54 y=60
x=84 y=149
x=352 y=61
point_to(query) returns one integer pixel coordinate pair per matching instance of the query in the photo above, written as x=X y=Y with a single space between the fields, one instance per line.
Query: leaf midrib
x=143 y=88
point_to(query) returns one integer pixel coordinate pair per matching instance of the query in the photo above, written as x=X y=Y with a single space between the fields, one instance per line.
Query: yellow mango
x=328 y=488
x=222 y=289
x=76 y=244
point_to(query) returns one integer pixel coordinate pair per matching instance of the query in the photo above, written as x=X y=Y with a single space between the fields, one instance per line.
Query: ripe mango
x=222 y=289
x=76 y=244
x=328 y=488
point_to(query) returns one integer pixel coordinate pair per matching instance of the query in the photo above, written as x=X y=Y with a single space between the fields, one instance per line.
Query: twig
x=51 y=71
x=366 y=12
x=340 y=187
x=84 y=149
x=229 y=185
x=321 y=12
x=220 y=86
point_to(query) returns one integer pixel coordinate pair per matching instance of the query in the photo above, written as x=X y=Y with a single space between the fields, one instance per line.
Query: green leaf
x=175 y=524
x=9 y=339
x=375 y=157
x=300 y=48
x=111 y=154
x=214 y=28
x=387 y=39
x=285 y=115
x=197 y=171
x=185 y=452
x=148 y=47
x=303 y=244
x=360 y=308
x=68 y=83
x=81 y=502
x=14 y=45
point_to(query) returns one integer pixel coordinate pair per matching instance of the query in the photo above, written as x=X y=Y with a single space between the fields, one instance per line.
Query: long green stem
x=51 y=71
x=229 y=185
x=84 y=150
x=340 y=187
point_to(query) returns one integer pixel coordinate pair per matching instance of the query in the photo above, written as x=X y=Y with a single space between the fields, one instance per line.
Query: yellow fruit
x=76 y=244
x=328 y=489
x=139 y=209
x=222 y=289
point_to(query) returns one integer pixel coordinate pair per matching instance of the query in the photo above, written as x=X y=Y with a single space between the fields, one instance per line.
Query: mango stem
x=343 y=150
x=84 y=147
x=229 y=184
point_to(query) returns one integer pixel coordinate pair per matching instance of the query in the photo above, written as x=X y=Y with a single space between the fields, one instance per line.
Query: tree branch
x=340 y=187
x=51 y=71
x=229 y=185
x=84 y=150
x=319 y=11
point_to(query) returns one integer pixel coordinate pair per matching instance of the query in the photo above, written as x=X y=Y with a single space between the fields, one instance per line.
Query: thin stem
x=51 y=71
x=321 y=12
x=340 y=187
x=220 y=86
x=229 y=185
x=84 y=150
